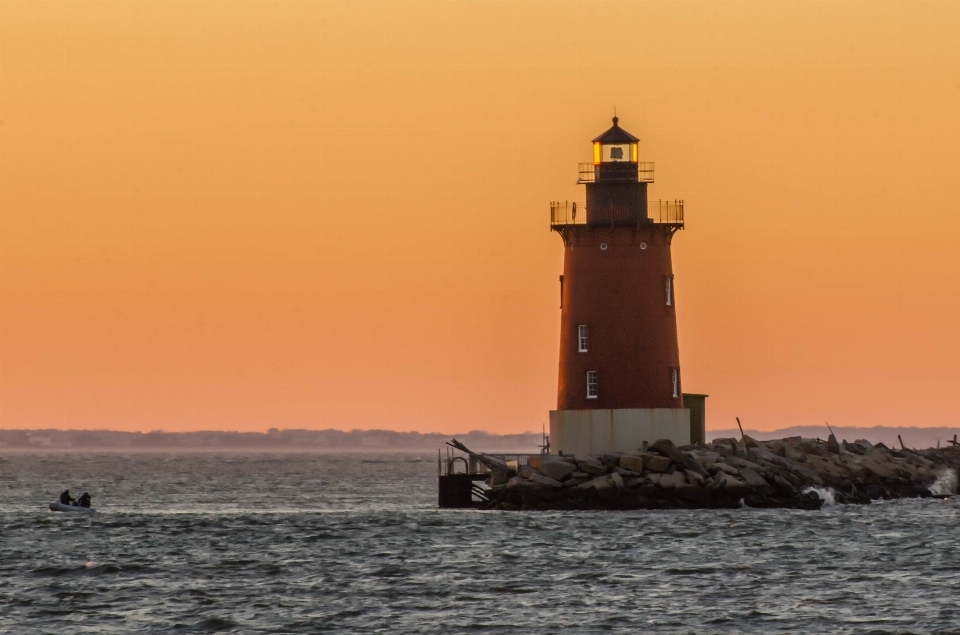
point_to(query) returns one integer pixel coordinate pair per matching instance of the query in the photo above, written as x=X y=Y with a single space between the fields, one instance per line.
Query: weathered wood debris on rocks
x=728 y=473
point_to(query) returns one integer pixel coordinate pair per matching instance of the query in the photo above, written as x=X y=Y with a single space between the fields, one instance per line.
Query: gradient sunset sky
x=243 y=215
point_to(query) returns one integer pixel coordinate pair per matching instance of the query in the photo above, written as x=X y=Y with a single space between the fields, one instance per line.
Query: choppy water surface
x=275 y=543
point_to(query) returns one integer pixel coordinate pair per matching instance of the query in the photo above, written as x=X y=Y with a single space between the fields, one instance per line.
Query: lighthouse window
x=675 y=380
x=668 y=283
x=591 y=384
x=581 y=338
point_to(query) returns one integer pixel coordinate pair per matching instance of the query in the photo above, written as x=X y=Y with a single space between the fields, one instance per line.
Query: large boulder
x=736 y=461
x=921 y=461
x=752 y=478
x=879 y=465
x=617 y=480
x=574 y=481
x=706 y=458
x=806 y=474
x=827 y=467
x=591 y=465
x=794 y=452
x=783 y=486
x=540 y=479
x=694 y=478
x=514 y=482
x=670 y=481
x=599 y=483
x=526 y=471
x=761 y=455
x=725 y=481
x=656 y=463
x=557 y=470
x=720 y=466
x=691 y=462
x=666 y=447
x=537 y=460
x=853 y=448
x=632 y=463
x=610 y=459
x=915 y=472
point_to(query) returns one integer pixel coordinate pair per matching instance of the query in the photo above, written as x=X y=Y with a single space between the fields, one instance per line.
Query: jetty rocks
x=727 y=473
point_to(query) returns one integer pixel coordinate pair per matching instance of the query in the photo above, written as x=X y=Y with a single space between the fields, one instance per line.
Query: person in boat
x=84 y=500
x=66 y=499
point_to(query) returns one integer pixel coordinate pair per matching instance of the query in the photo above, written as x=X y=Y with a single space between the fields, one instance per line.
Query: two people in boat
x=83 y=501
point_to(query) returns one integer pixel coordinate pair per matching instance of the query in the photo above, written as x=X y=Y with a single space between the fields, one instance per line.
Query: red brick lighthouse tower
x=619 y=381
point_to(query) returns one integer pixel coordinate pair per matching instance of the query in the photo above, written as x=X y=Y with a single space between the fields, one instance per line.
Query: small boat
x=60 y=507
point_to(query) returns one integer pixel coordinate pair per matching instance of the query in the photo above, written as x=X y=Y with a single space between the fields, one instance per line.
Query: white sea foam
x=825 y=494
x=946 y=483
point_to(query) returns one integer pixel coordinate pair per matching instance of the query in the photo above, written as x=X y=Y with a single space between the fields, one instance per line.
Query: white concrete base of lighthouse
x=593 y=432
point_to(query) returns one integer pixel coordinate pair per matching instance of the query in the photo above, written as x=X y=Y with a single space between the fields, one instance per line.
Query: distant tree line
x=304 y=440
x=913 y=437
x=388 y=440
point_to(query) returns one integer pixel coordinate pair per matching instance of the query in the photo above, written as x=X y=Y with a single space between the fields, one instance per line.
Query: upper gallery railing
x=588 y=173
x=563 y=213
x=665 y=212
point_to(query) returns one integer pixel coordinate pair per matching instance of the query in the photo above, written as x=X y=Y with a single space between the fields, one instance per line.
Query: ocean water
x=312 y=543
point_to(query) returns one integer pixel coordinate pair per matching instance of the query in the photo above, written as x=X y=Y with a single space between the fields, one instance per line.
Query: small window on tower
x=591 y=384
x=675 y=380
x=581 y=338
x=668 y=283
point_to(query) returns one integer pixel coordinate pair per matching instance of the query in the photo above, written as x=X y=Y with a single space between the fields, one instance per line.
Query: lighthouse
x=620 y=379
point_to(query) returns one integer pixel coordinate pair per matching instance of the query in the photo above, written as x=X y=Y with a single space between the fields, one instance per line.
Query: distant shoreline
x=301 y=441
x=913 y=437
x=290 y=441
x=427 y=454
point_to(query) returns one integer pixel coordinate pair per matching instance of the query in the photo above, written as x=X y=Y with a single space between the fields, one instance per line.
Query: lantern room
x=615 y=155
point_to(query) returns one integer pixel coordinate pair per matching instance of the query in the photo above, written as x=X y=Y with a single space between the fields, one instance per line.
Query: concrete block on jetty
x=727 y=473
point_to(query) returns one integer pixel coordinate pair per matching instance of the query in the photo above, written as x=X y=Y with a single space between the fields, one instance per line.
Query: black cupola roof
x=616 y=134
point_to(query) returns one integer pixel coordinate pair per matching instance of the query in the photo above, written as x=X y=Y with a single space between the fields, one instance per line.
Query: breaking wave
x=825 y=494
x=945 y=484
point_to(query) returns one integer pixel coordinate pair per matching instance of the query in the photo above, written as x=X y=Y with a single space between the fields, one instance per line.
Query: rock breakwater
x=726 y=473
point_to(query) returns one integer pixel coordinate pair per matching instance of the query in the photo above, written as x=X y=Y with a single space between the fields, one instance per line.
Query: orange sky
x=242 y=215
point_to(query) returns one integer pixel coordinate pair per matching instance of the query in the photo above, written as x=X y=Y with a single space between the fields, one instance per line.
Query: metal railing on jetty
x=564 y=213
x=460 y=460
x=464 y=476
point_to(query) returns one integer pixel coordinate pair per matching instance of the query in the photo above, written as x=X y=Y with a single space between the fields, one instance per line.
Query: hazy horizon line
x=465 y=432
x=379 y=440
